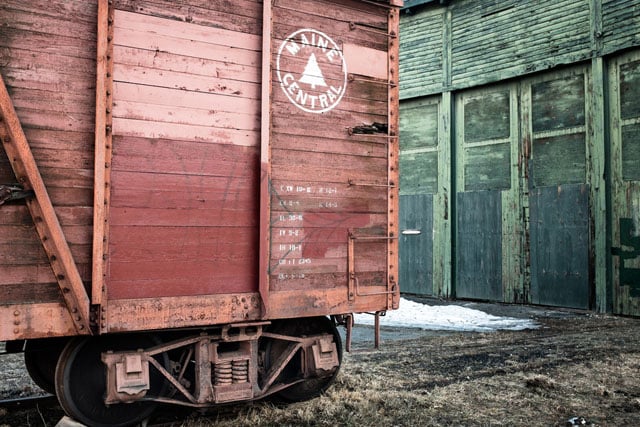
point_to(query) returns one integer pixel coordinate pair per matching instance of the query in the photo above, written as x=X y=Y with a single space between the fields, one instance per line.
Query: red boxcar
x=193 y=194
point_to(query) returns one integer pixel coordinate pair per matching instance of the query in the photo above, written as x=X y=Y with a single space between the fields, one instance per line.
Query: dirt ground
x=576 y=368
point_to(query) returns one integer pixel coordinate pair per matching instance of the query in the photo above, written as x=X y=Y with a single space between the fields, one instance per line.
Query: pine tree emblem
x=312 y=75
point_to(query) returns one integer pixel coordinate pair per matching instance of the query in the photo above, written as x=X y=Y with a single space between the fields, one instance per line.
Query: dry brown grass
x=586 y=366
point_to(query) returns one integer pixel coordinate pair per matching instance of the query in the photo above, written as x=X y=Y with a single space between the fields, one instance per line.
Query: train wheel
x=311 y=387
x=40 y=359
x=81 y=381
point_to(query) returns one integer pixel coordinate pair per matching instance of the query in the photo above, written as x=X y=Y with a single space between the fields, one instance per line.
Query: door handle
x=411 y=232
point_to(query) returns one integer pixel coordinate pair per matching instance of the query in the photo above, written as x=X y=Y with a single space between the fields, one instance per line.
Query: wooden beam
x=393 y=195
x=103 y=150
x=265 y=158
x=43 y=214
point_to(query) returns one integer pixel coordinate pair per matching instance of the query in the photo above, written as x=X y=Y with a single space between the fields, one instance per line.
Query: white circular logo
x=312 y=71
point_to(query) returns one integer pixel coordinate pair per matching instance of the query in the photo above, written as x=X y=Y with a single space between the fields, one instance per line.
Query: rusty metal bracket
x=9 y=192
x=44 y=216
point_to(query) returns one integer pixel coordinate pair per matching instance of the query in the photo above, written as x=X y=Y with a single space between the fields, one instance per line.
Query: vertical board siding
x=479 y=245
x=624 y=73
x=416 y=244
x=184 y=176
x=47 y=59
x=560 y=246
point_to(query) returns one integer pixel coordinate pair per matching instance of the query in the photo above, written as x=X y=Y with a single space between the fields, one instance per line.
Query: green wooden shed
x=520 y=152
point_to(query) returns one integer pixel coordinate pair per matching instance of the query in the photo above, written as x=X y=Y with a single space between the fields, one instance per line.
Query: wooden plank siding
x=48 y=63
x=184 y=174
x=569 y=67
x=184 y=179
x=321 y=190
x=494 y=41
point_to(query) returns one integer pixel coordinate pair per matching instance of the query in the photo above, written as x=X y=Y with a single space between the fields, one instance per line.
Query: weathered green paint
x=424 y=185
x=588 y=113
x=597 y=152
x=559 y=230
x=416 y=244
x=624 y=71
x=470 y=42
x=487 y=177
x=479 y=245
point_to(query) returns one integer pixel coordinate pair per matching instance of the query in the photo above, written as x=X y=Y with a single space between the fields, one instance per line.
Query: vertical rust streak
x=265 y=158
x=44 y=216
x=103 y=140
x=393 y=152
x=352 y=269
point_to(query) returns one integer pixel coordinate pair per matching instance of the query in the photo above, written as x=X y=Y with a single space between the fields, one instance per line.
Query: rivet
x=61 y=277
x=65 y=290
x=16 y=313
x=53 y=258
x=74 y=310
x=16 y=322
x=16 y=331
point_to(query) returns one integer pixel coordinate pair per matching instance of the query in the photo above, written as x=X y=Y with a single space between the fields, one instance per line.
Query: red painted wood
x=242 y=15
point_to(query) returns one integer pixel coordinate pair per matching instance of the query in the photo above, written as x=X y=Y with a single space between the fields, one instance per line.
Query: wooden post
x=44 y=216
x=265 y=159
x=103 y=149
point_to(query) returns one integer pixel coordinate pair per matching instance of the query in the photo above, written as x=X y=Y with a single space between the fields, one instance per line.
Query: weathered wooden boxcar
x=193 y=194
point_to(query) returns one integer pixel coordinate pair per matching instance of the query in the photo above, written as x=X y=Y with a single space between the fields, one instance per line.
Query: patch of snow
x=445 y=318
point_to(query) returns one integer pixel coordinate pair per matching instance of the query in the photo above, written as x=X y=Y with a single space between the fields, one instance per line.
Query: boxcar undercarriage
x=119 y=379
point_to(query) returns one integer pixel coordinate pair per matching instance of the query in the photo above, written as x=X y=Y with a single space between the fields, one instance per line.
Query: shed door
x=418 y=184
x=486 y=202
x=555 y=126
x=625 y=168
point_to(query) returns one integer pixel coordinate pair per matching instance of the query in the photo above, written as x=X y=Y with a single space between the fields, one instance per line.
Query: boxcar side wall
x=47 y=60
x=221 y=196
